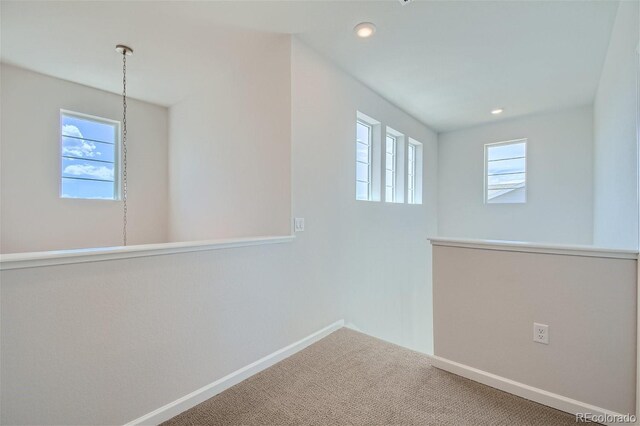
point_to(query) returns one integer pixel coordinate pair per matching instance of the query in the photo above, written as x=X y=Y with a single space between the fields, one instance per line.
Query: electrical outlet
x=298 y=224
x=541 y=333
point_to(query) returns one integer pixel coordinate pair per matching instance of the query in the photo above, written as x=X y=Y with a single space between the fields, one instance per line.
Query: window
x=364 y=149
x=89 y=157
x=394 y=166
x=390 y=168
x=414 y=172
x=505 y=172
x=411 y=174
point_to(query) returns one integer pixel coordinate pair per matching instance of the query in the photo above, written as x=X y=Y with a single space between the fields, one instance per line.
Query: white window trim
x=400 y=166
x=117 y=160
x=393 y=169
x=411 y=173
x=419 y=172
x=369 y=160
x=378 y=164
x=486 y=169
x=375 y=161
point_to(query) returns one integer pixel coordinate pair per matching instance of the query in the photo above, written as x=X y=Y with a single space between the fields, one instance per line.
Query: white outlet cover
x=541 y=333
x=298 y=224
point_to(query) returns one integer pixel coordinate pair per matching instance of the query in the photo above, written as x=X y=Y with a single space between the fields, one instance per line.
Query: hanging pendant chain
x=124 y=146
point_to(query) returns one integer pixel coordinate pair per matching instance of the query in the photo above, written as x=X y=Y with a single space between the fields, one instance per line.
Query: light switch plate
x=298 y=224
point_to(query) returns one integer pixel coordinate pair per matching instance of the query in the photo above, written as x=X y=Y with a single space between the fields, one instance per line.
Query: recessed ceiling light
x=364 y=29
x=497 y=111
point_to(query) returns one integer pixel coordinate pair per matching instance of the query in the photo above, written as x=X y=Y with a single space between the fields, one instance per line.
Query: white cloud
x=86 y=170
x=70 y=130
x=77 y=147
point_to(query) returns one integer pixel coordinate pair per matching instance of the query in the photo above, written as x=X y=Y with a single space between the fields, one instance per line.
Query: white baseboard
x=196 y=397
x=353 y=327
x=531 y=393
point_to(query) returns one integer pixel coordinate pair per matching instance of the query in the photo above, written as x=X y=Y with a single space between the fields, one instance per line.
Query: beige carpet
x=349 y=378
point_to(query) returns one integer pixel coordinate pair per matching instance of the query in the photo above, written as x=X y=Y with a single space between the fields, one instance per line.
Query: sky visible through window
x=88 y=158
x=505 y=169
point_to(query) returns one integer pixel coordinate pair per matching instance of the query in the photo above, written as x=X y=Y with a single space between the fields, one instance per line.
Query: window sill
x=520 y=246
x=64 y=257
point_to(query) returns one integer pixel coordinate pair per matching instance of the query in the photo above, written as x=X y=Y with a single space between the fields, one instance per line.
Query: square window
x=89 y=158
x=506 y=172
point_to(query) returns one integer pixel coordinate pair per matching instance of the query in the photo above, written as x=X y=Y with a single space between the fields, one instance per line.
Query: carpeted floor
x=349 y=378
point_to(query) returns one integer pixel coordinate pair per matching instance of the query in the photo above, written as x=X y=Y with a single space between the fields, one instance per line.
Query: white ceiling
x=446 y=63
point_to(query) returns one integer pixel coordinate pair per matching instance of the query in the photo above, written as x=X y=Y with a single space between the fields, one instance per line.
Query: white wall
x=486 y=301
x=107 y=342
x=378 y=251
x=230 y=147
x=559 y=207
x=32 y=215
x=615 y=136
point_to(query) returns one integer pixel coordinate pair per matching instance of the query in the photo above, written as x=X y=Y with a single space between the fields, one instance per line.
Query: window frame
x=375 y=156
x=419 y=169
x=117 y=158
x=369 y=160
x=394 y=170
x=411 y=173
x=524 y=141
